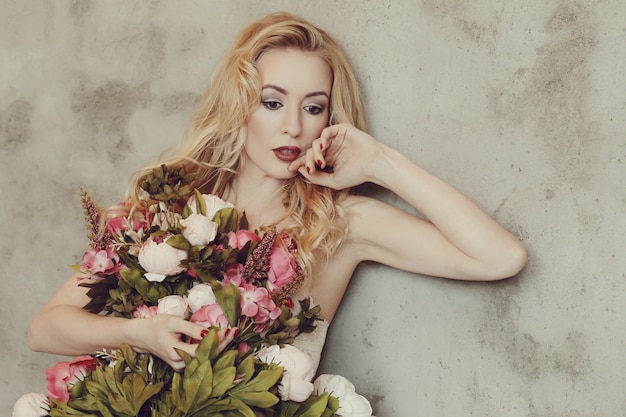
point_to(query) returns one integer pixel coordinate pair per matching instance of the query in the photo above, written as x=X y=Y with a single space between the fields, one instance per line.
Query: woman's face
x=294 y=110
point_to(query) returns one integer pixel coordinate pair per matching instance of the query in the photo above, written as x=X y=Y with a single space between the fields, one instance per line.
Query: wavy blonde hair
x=214 y=141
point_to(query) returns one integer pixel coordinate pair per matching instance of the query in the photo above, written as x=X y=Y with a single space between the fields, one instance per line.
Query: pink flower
x=281 y=266
x=239 y=239
x=145 y=312
x=251 y=296
x=234 y=275
x=62 y=376
x=99 y=261
x=210 y=316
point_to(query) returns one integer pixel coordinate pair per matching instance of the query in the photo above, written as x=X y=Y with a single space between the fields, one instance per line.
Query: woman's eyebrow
x=283 y=91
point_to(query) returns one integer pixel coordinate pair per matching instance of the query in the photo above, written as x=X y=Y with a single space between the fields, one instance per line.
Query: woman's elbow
x=35 y=334
x=510 y=263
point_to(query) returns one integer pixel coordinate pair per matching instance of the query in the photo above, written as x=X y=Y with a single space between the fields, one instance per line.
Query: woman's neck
x=261 y=199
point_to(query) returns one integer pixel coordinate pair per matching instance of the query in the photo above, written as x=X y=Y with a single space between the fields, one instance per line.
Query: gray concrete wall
x=520 y=104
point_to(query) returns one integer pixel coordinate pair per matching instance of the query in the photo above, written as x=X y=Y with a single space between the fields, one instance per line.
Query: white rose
x=351 y=404
x=199 y=296
x=199 y=230
x=298 y=371
x=160 y=260
x=174 y=305
x=31 y=405
x=213 y=204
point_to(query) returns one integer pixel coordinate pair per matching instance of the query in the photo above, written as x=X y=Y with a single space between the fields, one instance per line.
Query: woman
x=280 y=133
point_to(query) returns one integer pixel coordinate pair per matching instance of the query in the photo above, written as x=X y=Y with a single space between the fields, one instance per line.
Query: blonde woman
x=280 y=133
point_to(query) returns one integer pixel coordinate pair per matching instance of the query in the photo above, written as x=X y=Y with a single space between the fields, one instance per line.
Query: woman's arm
x=458 y=239
x=63 y=327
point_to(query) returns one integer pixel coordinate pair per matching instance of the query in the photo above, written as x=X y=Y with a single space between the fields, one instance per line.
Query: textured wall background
x=520 y=104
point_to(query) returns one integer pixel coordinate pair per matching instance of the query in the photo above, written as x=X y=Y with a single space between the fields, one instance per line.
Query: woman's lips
x=287 y=153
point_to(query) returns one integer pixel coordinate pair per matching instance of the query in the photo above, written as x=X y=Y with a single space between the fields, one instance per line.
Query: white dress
x=313 y=343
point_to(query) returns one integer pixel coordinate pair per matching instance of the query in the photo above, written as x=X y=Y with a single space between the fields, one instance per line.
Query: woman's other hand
x=342 y=157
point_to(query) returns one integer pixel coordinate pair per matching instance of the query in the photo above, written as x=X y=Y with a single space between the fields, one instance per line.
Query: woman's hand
x=342 y=157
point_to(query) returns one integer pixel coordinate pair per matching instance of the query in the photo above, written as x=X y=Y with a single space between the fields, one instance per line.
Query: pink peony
x=281 y=266
x=62 y=376
x=239 y=239
x=145 y=312
x=210 y=316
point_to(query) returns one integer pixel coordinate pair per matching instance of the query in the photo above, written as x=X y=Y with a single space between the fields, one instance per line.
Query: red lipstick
x=287 y=153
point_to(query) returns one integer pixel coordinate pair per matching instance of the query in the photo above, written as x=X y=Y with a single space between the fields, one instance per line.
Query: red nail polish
x=236 y=332
x=308 y=170
x=203 y=333
x=319 y=163
x=227 y=331
x=321 y=146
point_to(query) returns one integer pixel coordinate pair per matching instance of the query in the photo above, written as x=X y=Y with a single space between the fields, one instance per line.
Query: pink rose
x=239 y=239
x=62 y=376
x=210 y=316
x=282 y=265
x=145 y=312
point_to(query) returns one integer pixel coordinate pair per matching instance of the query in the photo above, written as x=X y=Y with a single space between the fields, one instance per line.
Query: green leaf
x=179 y=242
x=226 y=219
x=222 y=380
x=263 y=399
x=314 y=406
x=245 y=370
x=226 y=360
x=266 y=379
x=200 y=203
x=228 y=298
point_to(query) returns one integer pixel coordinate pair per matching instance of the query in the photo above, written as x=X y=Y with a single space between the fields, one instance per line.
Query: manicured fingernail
x=227 y=331
x=319 y=163
x=321 y=146
x=203 y=333
x=236 y=332
x=308 y=170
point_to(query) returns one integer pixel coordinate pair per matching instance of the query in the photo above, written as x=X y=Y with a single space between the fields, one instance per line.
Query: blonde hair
x=214 y=141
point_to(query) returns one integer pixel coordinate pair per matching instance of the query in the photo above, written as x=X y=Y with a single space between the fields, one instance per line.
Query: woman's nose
x=292 y=125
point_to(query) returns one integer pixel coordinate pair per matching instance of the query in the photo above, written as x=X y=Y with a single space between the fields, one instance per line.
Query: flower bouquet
x=189 y=254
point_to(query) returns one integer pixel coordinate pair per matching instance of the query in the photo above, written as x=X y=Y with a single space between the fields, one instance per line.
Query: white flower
x=351 y=404
x=199 y=230
x=298 y=371
x=199 y=296
x=160 y=259
x=174 y=305
x=31 y=405
x=213 y=204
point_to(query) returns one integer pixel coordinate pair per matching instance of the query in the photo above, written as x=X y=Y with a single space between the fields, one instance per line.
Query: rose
x=160 y=260
x=351 y=404
x=210 y=316
x=213 y=204
x=281 y=265
x=31 y=405
x=61 y=377
x=200 y=296
x=174 y=305
x=239 y=238
x=144 y=312
x=199 y=230
x=298 y=371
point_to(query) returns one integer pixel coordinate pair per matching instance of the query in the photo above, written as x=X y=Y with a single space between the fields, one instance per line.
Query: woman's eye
x=272 y=104
x=314 y=109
